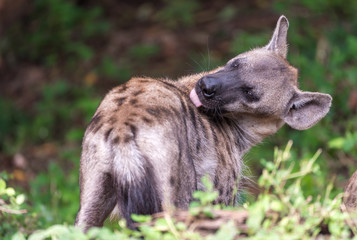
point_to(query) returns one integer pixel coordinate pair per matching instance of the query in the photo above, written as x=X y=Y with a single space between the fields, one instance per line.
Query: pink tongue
x=195 y=99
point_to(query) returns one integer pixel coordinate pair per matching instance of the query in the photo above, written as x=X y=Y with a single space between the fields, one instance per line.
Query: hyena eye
x=249 y=94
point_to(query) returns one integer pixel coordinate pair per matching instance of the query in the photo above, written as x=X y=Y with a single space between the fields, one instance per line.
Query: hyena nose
x=208 y=85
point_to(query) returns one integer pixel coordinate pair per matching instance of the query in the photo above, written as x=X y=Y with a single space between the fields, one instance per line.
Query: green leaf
x=180 y=226
x=194 y=211
x=105 y=234
x=10 y=191
x=228 y=231
x=2 y=186
x=18 y=236
x=208 y=212
x=276 y=206
x=141 y=218
x=20 y=199
x=149 y=232
x=162 y=224
x=256 y=216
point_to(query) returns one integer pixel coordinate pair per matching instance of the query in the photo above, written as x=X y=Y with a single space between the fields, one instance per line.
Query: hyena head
x=261 y=84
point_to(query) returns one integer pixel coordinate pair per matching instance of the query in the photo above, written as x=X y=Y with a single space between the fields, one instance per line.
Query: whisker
x=201 y=68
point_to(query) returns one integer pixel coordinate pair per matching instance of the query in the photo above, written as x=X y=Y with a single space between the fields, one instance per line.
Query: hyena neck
x=245 y=131
x=256 y=129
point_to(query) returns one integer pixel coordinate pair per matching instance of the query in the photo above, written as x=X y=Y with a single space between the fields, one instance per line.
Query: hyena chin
x=152 y=140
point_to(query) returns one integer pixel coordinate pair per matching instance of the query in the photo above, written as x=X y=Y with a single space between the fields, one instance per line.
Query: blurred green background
x=58 y=58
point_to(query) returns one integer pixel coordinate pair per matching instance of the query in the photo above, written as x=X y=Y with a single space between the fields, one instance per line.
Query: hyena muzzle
x=152 y=140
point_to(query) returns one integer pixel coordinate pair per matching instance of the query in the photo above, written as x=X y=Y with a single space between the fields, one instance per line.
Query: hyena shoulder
x=141 y=102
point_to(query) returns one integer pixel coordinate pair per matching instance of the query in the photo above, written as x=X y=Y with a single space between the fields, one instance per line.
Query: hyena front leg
x=98 y=199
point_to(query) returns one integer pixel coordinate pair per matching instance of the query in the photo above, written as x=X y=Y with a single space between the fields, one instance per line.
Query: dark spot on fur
x=147 y=120
x=172 y=181
x=95 y=124
x=113 y=120
x=127 y=138
x=230 y=192
x=85 y=148
x=121 y=88
x=223 y=160
x=216 y=180
x=116 y=140
x=120 y=100
x=151 y=111
x=198 y=144
x=176 y=112
x=107 y=133
x=124 y=87
x=118 y=90
x=193 y=117
x=133 y=101
x=138 y=105
x=92 y=149
x=184 y=107
x=133 y=129
x=138 y=93
x=235 y=175
x=158 y=111
x=221 y=190
x=97 y=117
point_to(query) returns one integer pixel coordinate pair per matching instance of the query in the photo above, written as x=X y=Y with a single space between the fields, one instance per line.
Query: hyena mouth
x=202 y=99
x=207 y=93
x=194 y=98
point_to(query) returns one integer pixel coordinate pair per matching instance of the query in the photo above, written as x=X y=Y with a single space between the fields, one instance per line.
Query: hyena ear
x=278 y=42
x=305 y=109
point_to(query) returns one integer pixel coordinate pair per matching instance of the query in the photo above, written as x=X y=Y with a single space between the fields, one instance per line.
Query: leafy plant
x=281 y=210
x=13 y=213
x=55 y=195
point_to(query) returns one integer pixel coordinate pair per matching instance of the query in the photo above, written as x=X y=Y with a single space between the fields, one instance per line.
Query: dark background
x=59 y=57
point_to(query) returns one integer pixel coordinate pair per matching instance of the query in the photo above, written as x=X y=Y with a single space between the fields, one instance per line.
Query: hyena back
x=152 y=140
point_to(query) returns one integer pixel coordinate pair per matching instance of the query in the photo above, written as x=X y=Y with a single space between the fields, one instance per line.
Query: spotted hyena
x=152 y=140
